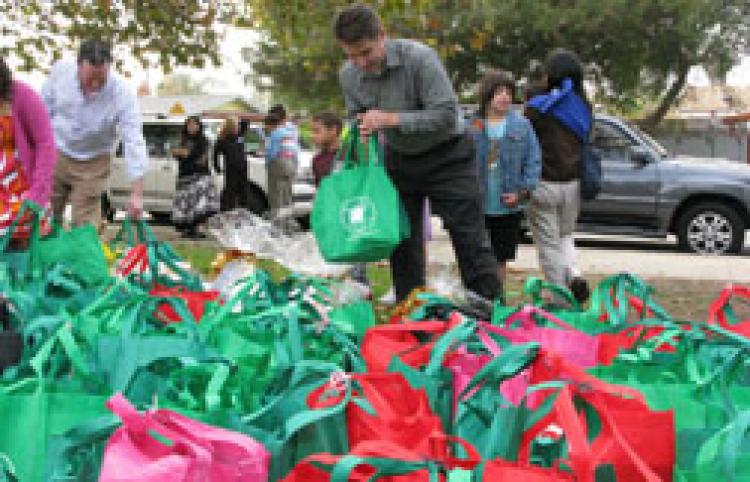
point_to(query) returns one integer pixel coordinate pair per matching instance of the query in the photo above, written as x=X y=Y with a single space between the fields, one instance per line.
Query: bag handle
x=26 y=206
x=584 y=457
x=146 y=423
x=441 y=445
x=720 y=312
x=513 y=360
x=387 y=458
x=526 y=317
x=724 y=447
x=7 y=469
x=615 y=294
x=533 y=287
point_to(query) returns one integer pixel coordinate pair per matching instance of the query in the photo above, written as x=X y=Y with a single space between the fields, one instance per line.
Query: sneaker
x=580 y=289
x=195 y=235
x=477 y=306
x=389 y=298
x=363 y=289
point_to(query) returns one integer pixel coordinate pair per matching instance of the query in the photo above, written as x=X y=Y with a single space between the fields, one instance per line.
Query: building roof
x=192 y=104
x=722 y=99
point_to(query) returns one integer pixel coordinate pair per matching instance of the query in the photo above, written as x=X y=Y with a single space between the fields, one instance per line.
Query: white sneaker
x=389 y=298
x=364 y=290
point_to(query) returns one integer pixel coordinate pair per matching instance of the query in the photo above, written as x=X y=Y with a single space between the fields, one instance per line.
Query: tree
x=164 y=33
x=634 y=49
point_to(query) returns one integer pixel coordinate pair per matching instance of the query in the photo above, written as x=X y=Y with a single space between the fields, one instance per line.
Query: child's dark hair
x=329 y=119
x=272 y=119
x=279 y=110
x=562 y=64
x=356 y=23
x=493 y=80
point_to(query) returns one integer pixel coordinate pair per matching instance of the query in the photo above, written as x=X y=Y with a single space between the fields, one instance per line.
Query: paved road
x=612 y=254
x=604 y=255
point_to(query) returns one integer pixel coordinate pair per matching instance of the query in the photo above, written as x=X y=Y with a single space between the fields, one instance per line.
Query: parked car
x=648 y=192
x=163 y=134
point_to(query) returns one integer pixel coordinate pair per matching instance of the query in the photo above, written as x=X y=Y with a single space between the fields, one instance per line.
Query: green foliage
x=634 y=49
x=164 y=33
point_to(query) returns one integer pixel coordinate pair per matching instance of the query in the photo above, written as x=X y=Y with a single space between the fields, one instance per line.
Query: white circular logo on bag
x=358 y=215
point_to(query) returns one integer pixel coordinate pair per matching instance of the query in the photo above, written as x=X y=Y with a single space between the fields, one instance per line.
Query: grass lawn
x=683 y=299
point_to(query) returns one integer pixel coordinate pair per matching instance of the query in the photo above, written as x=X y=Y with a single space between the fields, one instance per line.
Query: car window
x=253 y=140
x=607 y=136
x=161 y=138
x=653 y=143
x=613 y=143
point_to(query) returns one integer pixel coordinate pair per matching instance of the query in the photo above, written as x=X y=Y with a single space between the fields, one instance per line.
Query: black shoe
x=580 y=289
x=193 y=234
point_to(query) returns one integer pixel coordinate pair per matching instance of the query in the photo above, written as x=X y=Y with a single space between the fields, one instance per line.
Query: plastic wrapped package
x=280 y=239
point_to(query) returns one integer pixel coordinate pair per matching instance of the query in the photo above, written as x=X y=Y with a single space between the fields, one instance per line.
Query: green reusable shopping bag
x=354 y=318
x=609 y=307
x=76 y=455
x=722 y=454
x=79 y=250
x=16 y=263
x=7 y=469
x=357 y=214
x=35 y=409
x=288 y=428
x=484 y=418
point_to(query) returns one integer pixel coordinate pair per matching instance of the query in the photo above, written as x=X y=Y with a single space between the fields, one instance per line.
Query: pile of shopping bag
x=138 y=372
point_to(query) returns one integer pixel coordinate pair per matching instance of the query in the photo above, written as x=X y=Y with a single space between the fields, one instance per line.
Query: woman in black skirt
x=196 y=198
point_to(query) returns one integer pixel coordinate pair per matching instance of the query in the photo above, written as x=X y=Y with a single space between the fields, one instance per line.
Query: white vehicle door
x=162 y=179
x=256 y=162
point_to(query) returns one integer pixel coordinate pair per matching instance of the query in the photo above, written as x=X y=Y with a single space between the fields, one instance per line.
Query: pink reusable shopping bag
x=574 y=346
x=163 y=445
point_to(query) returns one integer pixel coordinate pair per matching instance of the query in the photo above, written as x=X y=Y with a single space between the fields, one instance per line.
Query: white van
x=162 y=134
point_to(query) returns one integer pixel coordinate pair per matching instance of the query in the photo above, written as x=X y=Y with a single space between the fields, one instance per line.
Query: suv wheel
x=711 y=228
x=256 y=201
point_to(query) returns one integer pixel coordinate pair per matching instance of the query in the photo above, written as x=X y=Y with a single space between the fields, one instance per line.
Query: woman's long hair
x=228 y=129
x=6 y=81
x=562 y=64
x=186 y=135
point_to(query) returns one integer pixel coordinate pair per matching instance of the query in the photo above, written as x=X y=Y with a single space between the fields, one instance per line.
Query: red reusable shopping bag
x=720 y=311
x=381 y=343
x=195 y=300
x=499 y=470
x=637 y=441
x=383 y=406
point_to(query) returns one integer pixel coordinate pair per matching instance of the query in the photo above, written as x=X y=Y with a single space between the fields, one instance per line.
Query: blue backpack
x=591 y=172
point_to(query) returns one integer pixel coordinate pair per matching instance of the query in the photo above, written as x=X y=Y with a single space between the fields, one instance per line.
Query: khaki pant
x=552 y=216
x=281 y=174
x=81 y=183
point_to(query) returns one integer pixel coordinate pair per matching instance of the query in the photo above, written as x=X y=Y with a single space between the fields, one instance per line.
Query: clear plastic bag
x=280 y=239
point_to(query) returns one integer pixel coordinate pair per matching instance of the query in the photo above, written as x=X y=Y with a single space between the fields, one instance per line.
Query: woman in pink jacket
x=27 y=153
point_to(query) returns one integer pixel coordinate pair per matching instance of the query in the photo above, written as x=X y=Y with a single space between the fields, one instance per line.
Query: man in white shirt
x=89 y=105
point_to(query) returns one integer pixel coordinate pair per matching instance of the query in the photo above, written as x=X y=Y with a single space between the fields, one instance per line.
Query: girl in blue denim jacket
x=508 y=160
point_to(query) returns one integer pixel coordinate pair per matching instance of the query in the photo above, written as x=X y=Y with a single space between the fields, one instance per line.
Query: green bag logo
x=358 y=215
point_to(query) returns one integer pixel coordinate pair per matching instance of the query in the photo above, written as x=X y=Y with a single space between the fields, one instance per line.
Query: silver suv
x=163 y=134
x=648 y=192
